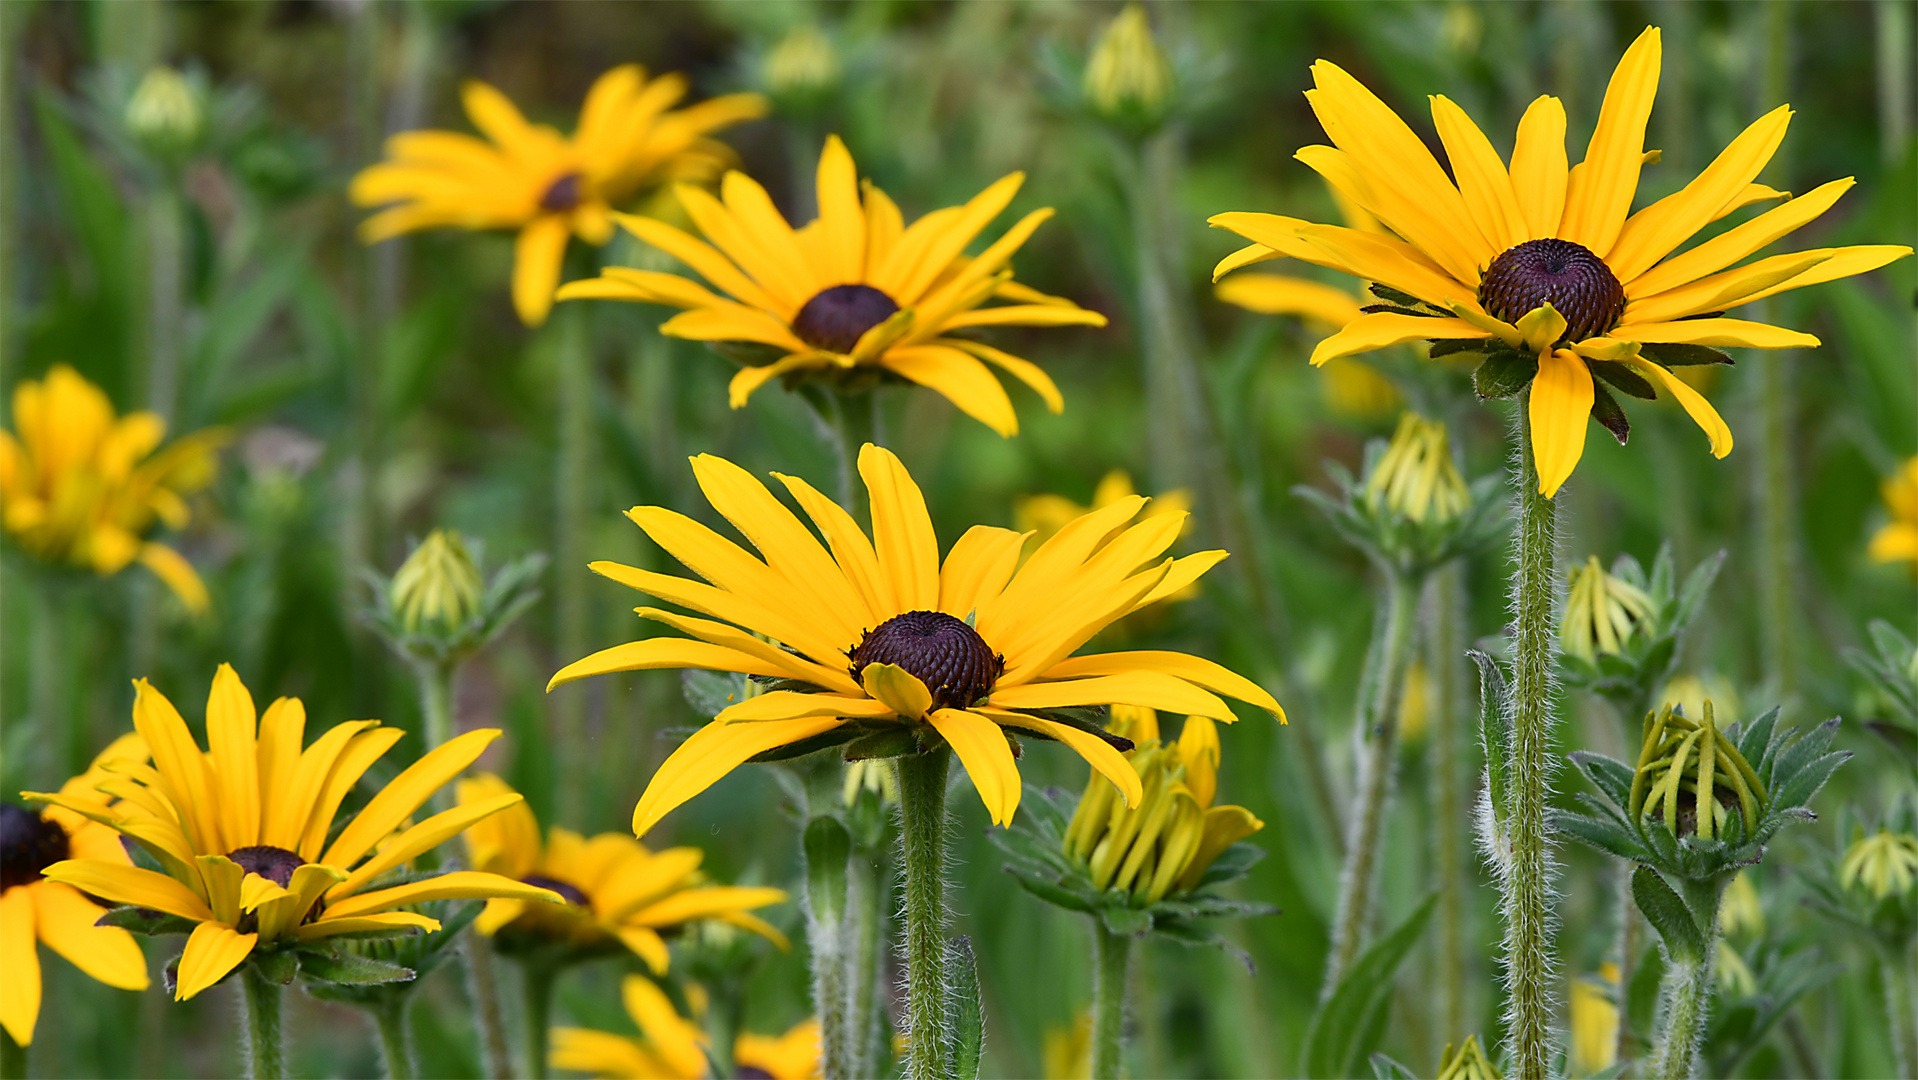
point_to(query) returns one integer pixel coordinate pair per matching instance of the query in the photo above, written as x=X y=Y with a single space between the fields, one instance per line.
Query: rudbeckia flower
x=531 y=178
x=1897 y=541
x=669 y=1045
x=792 y=1056
x=33 y=908
x=855 y=289
x=876 y=637
x=1546 y=259
x=617 y=892
x=80 y=486
x=241 y=830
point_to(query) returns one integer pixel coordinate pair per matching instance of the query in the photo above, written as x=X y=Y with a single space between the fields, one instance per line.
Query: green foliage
x=1342 y=1030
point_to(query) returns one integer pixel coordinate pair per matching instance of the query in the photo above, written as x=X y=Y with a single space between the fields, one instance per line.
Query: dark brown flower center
x=29 y=843
x=573 y=895
x=836 y=318
x=272 y=863
x=1574 y=281
x=946 y=654
x=563 y=193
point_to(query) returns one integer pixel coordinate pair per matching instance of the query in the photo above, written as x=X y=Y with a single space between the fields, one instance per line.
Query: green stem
x=1111 y=959
x=1446 y=652
x=396 y=1040
x=1379 y=726
x=265 y=1046
x=166 y=246
x=13 y=1058
x=536 y=1013
x=482 y=982
x=831 y=998
x=1689 y=985
x=865 y=899
x=1901 y=1004
x=1525 y=884
x=1628 y=946
x=922 y=842
x=436 y=701
x=575 y=362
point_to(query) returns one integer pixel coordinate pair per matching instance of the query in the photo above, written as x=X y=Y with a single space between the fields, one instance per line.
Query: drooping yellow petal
x=1019 y=368
x=1694 y=403
x=983 y=750
x=675 y=1041
x=1561 y=402
x=1097 y=752
x=177 y=574
x=20 y=986
x=212 y=952
x=645 y=943
x=959 y=378
x=1600 y=195
x=712 y=752
x=537 y=255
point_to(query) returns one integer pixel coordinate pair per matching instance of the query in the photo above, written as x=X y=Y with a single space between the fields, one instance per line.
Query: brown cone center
x=1568 y=276
x=945 y=653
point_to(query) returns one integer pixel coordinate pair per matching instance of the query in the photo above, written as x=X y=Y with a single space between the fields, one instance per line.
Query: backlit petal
x=1600 y=195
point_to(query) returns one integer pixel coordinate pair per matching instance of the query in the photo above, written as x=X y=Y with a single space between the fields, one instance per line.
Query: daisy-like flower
x=1897 y=541
x=792 y=1056
x=1544 y=263
x=548 y=186
x=35 y=909
x=669 y=1047
x=617 y=892
x=853 y=293
x=875 y=637
x=80 y=486
x=241 y=830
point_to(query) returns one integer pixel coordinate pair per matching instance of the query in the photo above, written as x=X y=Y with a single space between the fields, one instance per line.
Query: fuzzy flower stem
x=1629 y=932
x=1688 y=989
x=396 y=1040
x=265 y=1046
x=572 y=341
x=482 y=983
x=1526 y=885
x=1379 y=727
x=866 y=897
x=1111 y=959
x=831 y=1000
x=536 y=1013
x=1901 y=1003
x=1446 y=650
x=922 y=839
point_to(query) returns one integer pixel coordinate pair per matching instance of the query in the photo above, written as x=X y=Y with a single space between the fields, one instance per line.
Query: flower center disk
x=573 y=895
x=29 y=844
x=272 y=863
x=1574 y=281
x=838 y=317
x=946 y=654
x=563 y=193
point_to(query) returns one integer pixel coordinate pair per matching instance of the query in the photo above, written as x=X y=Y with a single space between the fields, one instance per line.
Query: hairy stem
x=265 y=1045
x=1526 y=903
x=396 y=1038
x=482 y=983
x=1447 y=652
x=1111 y=959
x=831 y=998
x=1378 y=721
x=1628 y=946
x=536 y=1014
x=922 y=841
x=865 y=898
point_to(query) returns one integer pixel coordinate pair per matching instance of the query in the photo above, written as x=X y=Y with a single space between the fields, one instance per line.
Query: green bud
x=1467 y=1062
x=1128 y=77
x=438 y=587
x=1881 y=864
x=803 y=65
x=1602 y=612
x=166 y=113
x=1692 y=778
x=1415 y=478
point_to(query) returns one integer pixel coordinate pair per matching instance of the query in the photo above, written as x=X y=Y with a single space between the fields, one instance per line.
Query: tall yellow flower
x=241 y=830
x=80 y=486
x=33 y=908
x=856 y=292
x=1546 y=260
x=669 y=1047
x=1897 y=541
x=888 y=642
x=548 y=186
x=792 y=1056
x=617 y=892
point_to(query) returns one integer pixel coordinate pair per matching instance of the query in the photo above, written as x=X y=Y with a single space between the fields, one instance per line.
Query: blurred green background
x=377 y=392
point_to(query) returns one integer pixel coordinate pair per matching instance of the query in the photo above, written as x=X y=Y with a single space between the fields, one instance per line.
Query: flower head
x=1602 y=612
x=875 y=637
x=529 y=177
x=241 y=830
x=792 y=1056
x=1128 y=77
x=438 y=584
x=1540 y=264
x=167 y=112
x=1897 y=540
x=1467 y=1062
x=1880 y=865
x=669 y=1046
x=852 y=295
x=80 y=486
x=1416 y=477
x=32 y=908
x=439 y=607
x=1692 y=777
x=618 y=893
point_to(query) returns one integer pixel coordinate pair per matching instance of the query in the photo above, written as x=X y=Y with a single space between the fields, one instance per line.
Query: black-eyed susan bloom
x=669 y=1046
x=877 y=637
x=549 y=186
x=792 y=1056
x=854 y=292
x=34 y=909
x=243 y=830
x=1897 y=539
x=81 y=486
x=618 y=893
x=1544 y=260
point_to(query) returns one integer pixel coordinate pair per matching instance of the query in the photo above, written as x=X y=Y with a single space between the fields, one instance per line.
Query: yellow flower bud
x=1467 y=1062
x=165 y=112
x=1691 y=777
x=1415 y=478
x=1128 y=74
x=804 y=62
x=438 y=586
x=1594 y=1022
x=1881 y=864
x=1601 y=612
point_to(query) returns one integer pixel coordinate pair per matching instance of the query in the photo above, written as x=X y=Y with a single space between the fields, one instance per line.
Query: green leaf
x=349 y=969
x=1504 y=374
x=1641 y=996
x=1056 y=895
x=1599 y=833
x=1669 y=916
x=965 y=1019
x=1335 y=1042
x=828 y=847
x=1384 y=1068
x=1623 y=378
x=1454 y=346
x=1232 y=864
x=143 y=921
x=1609 y=775
x=1672 y=354
x=1494 y=725
x=1692 y=596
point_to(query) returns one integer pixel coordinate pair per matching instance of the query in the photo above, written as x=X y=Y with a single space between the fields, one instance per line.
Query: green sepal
x=350 y=969
x=1439 y=347
x=146 y=922
x=1623 y=378
x=1393 y=296
x=1606 y=410
x=1385 y=1068
x=277 y=966
x=812 y=744
x=748 y=353
x=890 y=741
x=1125 y=921
x=1504 y=374
x=1056 y=895
x=1668 y=915
x=1675 y=354
x=711 y=692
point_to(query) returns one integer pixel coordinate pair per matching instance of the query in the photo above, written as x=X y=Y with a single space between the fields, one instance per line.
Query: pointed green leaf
x=1335 y=1043
x=1669 y=916
x=828 y=846
x=966 y=1019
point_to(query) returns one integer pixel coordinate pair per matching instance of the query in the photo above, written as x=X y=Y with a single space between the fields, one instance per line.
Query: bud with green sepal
x=802 y=71
x=1871 y=889
x=1128 y=78
x=166 y=113
x=1621 y=630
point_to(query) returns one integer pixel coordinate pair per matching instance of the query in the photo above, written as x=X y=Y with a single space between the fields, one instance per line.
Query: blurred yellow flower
x=548 y=186
x=1601 y=612
x=1067 y=1052
x=1881 y=864
x=1045 y=515
x=80 y=486
x=1739 y=911
x=1127 y=74
x=616 y=890
x=241 y=829
x=1594 y=1022
x=856 y=290
x=792 y=1056
x=1735 y=977
x=1416 y=477
x=1897 y=541
x=33 y=908
x=1546 y=259
x=804 y=62
x=669 y=1046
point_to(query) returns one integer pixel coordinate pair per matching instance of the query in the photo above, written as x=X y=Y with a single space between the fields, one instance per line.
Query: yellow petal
x=328 y=770
x=704 y=258
x=840 y=215
x=1381 y=329
x=1600 y=196
x=903 y=539
x=282 y=731
x=1539 y=328
x=1722 y=333
x=851 y=549
x=212 y=951
x=536 y=264
x=796 y=705
x=1694 y=403
x=958 y=377
x=20 y=987
x=1019 y=368
x=65 y=921
x=712 y=752
x=1658 y=230
x=977 y=568
x=1099 y=753
x=1723 y=291
x=419 y=839
x=1224 y=826
x=1737 y=242
x=785 y=662
x=1561 y=402
x=406 y=793
x=458 y=885
x=1150 y=689
x=645 y=943
x=1193 y=669
x=1482 y=179
x=178 y=575
x=674 y=1040
x=386 y=920
x=690 y=904
x=898 y=689
x=983 y=750
x=130 y=885
x=665 y=652
x=181 y=766
x=1275 y=294
x=231 y=723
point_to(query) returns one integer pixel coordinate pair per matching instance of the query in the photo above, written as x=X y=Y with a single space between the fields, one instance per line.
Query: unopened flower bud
x=803 y=64
x=1602 y=612
x=1692 y=778
x=166 y=113
x=438 y=587
x=1128 y=77
x=1881 y=864
x=1415 y=478
x=1467 y=1062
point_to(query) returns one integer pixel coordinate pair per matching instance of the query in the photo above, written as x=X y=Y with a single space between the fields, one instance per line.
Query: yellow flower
x=1601 y=612
x=855 y=289
x=1416 y=477
x=33 y=908
x=1045 y=515
x=1068 y=1050
x=1594 y=1022
x=241 y=830
x=615 y=889
x=1547 y=259
x=1127 y=73
x=531 y=178
x=1881 y=864
x=963 y=652
x=438 y=584
x=80 y=486
x=1165 y=843
x=1898 y=540
x=792 y=1056
x=670 y=1047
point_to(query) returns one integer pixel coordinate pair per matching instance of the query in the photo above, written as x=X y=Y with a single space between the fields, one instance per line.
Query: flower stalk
x=922 y=806
x=265 y=1045
x=1689 y=983
x=572 y=343
x=1446 y=647
x=536 y=1014
x=482 y=983
x=1901 y=1004
x=396 y=1039
x=1111 y=963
